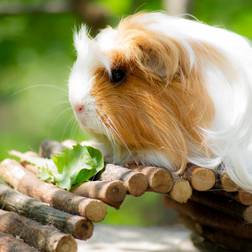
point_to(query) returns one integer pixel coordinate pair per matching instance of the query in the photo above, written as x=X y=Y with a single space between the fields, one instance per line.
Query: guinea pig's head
x=139 y=87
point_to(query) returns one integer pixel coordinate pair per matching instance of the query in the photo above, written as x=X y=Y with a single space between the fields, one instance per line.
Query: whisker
x=61 y=113
x=75 y=130
x=62 y=102
x=68 y=124
x=21 y=90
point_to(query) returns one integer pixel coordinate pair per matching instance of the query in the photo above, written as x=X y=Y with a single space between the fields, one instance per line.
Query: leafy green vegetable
x=69 y=168
x=76 y=165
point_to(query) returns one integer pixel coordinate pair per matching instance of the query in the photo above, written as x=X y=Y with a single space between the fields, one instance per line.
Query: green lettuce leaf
x=77 y=165
x=69 y=168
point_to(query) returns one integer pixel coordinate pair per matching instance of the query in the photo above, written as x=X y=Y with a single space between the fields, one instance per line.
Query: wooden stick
x=45 y=238
x=110 y=192
x=24 y=162
x=49 y=148
x=29 y=167
x=210 y=217
x=12 y=200
x=202 y=179
x=8 y=243
x=227 y=184
x=224 y=182
x=159 y=179
x=227 y=240
x=26 y=182
x=181 y=190
x=222 y=204
x=217 y=237
x=190 y=223
x=244 y=198
x=135 y=182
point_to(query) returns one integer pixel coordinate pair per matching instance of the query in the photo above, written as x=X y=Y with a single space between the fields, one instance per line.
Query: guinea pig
x=165 y=91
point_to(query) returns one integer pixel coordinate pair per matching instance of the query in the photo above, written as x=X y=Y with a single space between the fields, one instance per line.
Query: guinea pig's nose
x=79 y=108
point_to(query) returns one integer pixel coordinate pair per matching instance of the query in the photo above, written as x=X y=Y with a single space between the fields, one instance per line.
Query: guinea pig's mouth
x=92 y=121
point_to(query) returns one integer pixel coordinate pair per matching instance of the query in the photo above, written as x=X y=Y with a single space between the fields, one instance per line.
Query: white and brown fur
x=187 y=96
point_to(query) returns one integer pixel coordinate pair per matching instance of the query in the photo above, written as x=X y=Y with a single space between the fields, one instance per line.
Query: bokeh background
x=36 y=54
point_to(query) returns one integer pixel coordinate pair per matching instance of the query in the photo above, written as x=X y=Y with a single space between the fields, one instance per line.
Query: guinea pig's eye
x=117 y=75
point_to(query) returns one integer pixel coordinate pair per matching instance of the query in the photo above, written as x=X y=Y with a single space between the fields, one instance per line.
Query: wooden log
x=244 y=198
x=210 y=217
x=111 y=192
x=135 y=182
x=201 y=179
x=12 y=200
x=218 y=238
x=159 y=179
x=191 y=224
x=45 y=238
x=8 y=243
x=181 y=190
x=228 y=241
x=24 y=162
x=48 y=148
x=224 y=182
x=227 y=184
x=29 y=167
x=223 y=204
x=26 y=182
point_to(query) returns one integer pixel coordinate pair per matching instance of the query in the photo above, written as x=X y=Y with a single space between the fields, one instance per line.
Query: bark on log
x=29 y=167
x=244 y=198
x=8 y=243
x=190 y=223
x=223 y=204
x=45 y=238
x=224 y=182
x=111 y=192
x=25 y=163
x=227 y=241
x=17 y=202
x=181 y=190
x=218 y=239
x=159 y=179
x=49 y=148
x=26 y=182
x=210 y=217
x=227 y=184
x=135 y=182
x=201 y=179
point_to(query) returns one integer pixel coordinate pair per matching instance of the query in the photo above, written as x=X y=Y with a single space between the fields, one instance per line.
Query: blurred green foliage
x=36 y=54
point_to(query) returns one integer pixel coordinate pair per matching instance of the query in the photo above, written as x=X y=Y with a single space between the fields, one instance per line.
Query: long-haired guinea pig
x=166 y=91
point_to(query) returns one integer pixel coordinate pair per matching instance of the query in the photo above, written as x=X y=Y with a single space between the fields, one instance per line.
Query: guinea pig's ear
x=153 y=61
x=163 y=57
